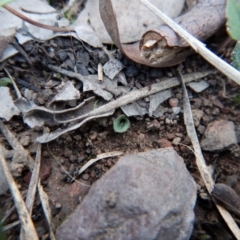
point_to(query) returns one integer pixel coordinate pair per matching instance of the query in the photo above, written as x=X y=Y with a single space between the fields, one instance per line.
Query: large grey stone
x=219 y=135
x=149 y=195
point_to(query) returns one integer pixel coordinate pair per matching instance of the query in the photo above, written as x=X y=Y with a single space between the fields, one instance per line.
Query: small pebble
x=85 y=177
x=72 y=158
x=201 y=129
x=169 y=74
x=146 y=99
x=131 y=71
x=164 y=143
x=93 y=135
x=167 y=121
x=170 y=136
x=173 y=102
x=176 y=141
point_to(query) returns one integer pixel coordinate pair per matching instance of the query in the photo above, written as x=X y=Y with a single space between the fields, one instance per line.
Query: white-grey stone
x=219 y=135
x=198 y=86
x=149 y=195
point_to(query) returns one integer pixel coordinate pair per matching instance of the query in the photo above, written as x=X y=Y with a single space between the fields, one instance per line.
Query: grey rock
x=219 y=135
x=149 y=195
x=197 y=116
x=198 y=86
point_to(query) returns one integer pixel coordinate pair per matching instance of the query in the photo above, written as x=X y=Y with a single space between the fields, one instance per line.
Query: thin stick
x=198 y=46
x=200 y=161
x=38 y=24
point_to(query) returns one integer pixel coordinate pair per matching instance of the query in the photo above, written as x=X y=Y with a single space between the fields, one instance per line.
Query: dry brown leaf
x=141 y=19
x=4 y=41
x=175 y=50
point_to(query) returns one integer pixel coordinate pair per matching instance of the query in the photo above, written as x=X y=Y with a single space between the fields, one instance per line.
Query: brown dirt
x=71 y=151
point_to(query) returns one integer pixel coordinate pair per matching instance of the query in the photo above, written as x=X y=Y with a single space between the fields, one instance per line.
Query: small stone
x=72 y=158
x=217 y=103
x=85 y=177
x=131 y=71
x=25 y=140
x=168 y=121
x=215 y=111
x=179 y=95
x=198 y=86
x=153 y=125
x=169 y=74
x=179 y=135
x=197 y=103
x=41 y=100
x=62 y=55
x=176 y=141
x=201 y=129
x=170 y=136
x=206 y=102
x=67 y=153
x=197 y=116
x=163 y=142
x=93 y=135
x=173 y=102
x=146 y=99
x=219 y=135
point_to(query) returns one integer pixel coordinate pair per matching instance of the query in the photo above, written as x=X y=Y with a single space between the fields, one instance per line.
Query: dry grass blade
x=201 y=164
x=38 y=24
x=28 y=229
x=198 y=46
x=99 y=157
x=46 y=209
x=43 y=196
x=33 y=183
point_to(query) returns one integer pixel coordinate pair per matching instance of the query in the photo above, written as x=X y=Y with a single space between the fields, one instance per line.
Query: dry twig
x=201 y=164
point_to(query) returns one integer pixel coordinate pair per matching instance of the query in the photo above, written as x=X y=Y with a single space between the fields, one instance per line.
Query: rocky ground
x=215 y=112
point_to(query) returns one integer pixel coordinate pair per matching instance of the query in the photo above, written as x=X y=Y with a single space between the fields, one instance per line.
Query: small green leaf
x=233 y=18
x=121 y=124
x=5 y=81
x=236 y=56
x=236 y=99
x=4 y=2
x=2 y=234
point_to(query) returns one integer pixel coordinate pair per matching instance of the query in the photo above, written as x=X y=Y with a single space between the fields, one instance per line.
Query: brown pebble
x=164 y=143
x=173 y=102
x=170 y=136
x=85 y=176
